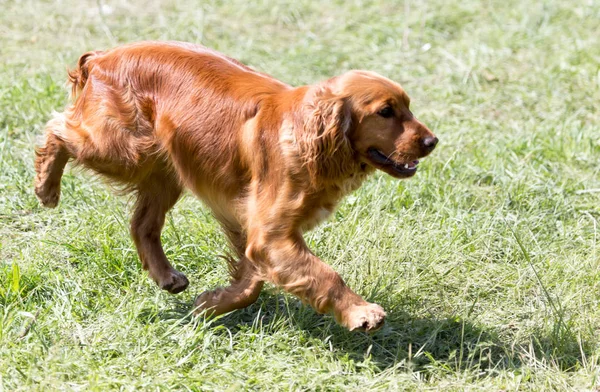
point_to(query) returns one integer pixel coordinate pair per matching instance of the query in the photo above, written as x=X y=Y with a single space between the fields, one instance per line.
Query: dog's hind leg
x=156 y=195
x=50 y=161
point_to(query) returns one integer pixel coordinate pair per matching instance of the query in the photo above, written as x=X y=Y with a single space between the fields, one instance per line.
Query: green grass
x=487 y=261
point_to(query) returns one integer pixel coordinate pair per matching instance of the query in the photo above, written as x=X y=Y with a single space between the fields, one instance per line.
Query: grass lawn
x=487 y=261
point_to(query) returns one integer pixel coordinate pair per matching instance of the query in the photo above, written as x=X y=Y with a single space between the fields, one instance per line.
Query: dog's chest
x=316 y=216
x=330 y=197
x=322 y=213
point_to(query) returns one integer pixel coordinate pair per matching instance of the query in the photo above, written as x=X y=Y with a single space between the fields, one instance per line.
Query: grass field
x=487 y=261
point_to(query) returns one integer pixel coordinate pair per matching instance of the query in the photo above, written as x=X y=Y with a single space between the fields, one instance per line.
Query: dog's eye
x=386 y=112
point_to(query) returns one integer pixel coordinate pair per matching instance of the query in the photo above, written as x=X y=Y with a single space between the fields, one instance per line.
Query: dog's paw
x=48 y=194
x=174 y=282
x=205 y=301
x=367 y=318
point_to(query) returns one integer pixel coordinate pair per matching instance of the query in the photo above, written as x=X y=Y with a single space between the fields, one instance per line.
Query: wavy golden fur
x=270 y=160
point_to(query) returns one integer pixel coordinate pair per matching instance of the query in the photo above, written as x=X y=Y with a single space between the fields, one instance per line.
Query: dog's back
x=153 y=106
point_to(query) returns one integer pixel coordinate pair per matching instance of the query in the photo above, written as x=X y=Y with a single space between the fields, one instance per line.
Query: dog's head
x=367 y=116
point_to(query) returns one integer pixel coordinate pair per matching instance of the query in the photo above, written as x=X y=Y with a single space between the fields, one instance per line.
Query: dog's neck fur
x=320 y=178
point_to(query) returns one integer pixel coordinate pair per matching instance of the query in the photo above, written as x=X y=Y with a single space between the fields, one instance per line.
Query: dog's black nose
x=429 y=142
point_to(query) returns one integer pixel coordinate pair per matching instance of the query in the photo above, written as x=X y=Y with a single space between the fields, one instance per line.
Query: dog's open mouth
x=394 y=168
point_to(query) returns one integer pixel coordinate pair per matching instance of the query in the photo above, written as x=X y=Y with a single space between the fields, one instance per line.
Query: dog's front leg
x=287 y=262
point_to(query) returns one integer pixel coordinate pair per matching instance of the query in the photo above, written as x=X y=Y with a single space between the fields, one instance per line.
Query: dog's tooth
x=406 y=165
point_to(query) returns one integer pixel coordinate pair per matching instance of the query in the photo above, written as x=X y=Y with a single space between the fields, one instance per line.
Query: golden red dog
x=270 y=160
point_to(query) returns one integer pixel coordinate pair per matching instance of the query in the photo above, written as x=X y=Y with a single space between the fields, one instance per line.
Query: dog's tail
x=78 y=76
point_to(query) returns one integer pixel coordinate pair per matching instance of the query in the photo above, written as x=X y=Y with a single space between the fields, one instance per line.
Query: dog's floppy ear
x=323 y=139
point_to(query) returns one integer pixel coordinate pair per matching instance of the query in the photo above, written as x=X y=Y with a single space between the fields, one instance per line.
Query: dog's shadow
x=405 y=342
